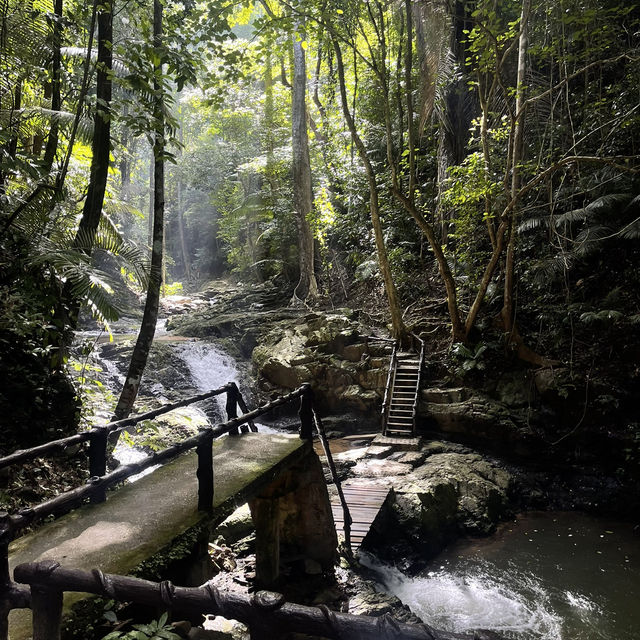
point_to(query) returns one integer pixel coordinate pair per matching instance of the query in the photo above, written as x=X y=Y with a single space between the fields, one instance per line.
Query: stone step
x=445 y=395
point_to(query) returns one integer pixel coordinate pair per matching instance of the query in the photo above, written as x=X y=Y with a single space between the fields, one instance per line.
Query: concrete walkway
x=139 y=520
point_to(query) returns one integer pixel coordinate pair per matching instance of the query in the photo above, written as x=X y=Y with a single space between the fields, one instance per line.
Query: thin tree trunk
x=150 y=315
x=302 y=191
x=399 y=329
x=516 y=175
x=186 y=262
x=56 y=83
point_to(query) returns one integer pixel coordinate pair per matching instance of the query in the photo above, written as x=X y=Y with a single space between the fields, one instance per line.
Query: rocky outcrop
x=329 y=351
x=475 y=417
x=440 y=492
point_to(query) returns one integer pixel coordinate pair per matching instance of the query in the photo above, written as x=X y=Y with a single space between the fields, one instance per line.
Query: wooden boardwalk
x=364 y=501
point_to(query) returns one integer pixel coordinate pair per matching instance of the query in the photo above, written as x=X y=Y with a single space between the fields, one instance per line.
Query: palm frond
x=549 y=269
x=609 y=204
x=576 y=215
x=631 y=231
x=633 y=207
x=118 y=66
x=590 y=239
x=533 y=223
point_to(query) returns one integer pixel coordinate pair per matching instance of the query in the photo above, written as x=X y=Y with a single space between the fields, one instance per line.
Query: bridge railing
x=100 y=481
x=267 y=614
x=11 y=525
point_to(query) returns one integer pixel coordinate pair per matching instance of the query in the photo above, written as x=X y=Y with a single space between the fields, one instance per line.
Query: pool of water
x=544 y=576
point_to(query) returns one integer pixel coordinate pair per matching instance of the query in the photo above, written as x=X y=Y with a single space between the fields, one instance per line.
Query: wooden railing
x=11 y=525
x=266 y=614
x=387 y=389
x=420 y=366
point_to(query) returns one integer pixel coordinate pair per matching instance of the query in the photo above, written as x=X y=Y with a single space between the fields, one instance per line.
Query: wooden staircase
x=401 y=396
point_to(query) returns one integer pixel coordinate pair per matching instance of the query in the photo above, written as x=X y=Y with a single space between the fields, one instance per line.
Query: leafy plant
x=468 y=358
x=154 y=630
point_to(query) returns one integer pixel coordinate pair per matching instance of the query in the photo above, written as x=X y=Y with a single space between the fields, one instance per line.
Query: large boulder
x=453 y=492
x=329 y=351
x=476 y=417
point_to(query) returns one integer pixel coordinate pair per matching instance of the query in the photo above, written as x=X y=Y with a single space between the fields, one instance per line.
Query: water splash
x=209 y=365
x=511 y=603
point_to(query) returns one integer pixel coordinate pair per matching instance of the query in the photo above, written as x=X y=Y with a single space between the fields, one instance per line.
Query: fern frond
x=118 y=66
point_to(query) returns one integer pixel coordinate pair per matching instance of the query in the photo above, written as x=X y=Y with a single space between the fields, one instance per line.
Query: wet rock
x=238 y=525
x=379 y=452
x=414 y=458
x=369 y=602
x=380 y=468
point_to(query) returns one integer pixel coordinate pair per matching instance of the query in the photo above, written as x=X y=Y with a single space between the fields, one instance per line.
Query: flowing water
x=210 y=368
x=545 y=576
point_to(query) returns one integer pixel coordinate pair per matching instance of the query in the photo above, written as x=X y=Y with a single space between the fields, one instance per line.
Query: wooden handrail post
x=306 y=413
x=205 y=471
x=232 y=406
x=98 y=459
x=5 y=576
x=46 y=604
x=245 y=409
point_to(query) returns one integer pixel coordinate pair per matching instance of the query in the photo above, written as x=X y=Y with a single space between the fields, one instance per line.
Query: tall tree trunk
x=408 y=200
x=56 y=82
x=186 y=262
x=399 y=329
x=101 y=145
x=302 y=191
x=268 y=127
x=151 y=198
x=14 y=127
x=516 y=175
x=150 y=315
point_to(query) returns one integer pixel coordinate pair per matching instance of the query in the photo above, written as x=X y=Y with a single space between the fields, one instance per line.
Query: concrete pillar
x=292 y=517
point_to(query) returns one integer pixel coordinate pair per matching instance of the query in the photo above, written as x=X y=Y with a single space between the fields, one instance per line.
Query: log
x=260 y=611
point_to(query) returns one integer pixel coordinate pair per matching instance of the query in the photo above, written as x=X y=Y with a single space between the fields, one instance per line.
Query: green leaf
x=110 y=616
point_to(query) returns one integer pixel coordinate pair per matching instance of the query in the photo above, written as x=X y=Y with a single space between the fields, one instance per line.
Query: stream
x=545 y=576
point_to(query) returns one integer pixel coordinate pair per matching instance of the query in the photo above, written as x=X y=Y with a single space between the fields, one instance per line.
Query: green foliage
x=467 y=359
x=155 y=630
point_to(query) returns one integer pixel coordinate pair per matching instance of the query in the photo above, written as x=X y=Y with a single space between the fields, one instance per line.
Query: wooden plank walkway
x=364 y=501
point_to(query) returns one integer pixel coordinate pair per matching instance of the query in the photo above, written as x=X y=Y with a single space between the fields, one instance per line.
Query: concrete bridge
x=147 y=526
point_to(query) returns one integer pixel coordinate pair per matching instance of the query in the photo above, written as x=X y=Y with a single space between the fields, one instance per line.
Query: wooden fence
x=266 y=614
x=12 y=596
